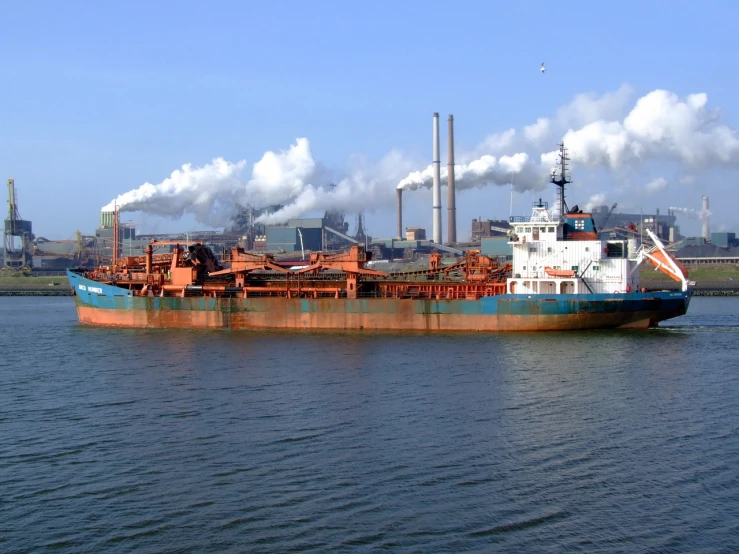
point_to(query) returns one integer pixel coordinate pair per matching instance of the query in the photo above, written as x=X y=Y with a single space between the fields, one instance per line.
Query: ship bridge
x=555 y=254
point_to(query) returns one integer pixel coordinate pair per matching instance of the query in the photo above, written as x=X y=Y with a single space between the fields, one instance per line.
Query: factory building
x=609 y=223
x=58 y=255
x=496 y=247
x=297 y=235
x=326 y=233
x=724 y=240
x=415 y=233
x=128 y=243
x=489 y=228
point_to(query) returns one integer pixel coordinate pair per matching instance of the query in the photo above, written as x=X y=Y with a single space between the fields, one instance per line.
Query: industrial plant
x=337 y=231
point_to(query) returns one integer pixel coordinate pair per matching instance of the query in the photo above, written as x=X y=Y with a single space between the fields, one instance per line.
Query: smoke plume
x=605 y=132
x=485 y=170
x=700 y=215
x=212 y=192
x=367 y=186
x=204 y=191
x=659 y=126
x=278 y=178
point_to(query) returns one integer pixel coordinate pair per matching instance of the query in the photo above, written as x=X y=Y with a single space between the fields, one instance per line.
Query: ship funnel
x=706 y=219
x=399 y=192
x=452 y=234
x=437 y=184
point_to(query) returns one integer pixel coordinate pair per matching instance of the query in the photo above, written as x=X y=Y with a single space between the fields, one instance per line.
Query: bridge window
x=528 y=229
x=551 y=229
x=615 y=250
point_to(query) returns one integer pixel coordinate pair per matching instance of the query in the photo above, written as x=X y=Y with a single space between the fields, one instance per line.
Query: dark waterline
x=150 y=440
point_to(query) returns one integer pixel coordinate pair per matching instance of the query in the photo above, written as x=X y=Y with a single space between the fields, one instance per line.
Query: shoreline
x=26 y=292
x=715 y=292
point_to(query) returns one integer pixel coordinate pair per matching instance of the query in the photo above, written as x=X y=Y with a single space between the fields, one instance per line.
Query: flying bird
x=543 y=69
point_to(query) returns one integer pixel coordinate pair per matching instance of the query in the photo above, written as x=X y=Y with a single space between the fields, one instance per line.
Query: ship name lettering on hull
x=90 y=289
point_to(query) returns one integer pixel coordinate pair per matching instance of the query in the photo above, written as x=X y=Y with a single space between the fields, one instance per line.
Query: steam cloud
x=204 y=191
x=659 y=126
x=595 y=201
x=212 y=192
x=483 y=171
x=701 y=215
x=366 y=187
x=608 y=132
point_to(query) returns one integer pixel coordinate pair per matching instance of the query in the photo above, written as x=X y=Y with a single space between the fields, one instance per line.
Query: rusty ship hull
x=106 y=305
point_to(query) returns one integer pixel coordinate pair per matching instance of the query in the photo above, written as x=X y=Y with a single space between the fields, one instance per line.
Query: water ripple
x=173 y=441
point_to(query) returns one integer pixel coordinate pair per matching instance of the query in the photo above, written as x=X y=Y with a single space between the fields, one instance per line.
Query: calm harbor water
x=184 y=441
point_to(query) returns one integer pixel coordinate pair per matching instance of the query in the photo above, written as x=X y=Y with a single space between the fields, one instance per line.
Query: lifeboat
x=559 y=272
x=663 y=261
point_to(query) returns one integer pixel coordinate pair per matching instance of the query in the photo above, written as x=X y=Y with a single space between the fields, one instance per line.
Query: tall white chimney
x=400 y=213
x=706 y=220
x=437 y=183
x=452 y=221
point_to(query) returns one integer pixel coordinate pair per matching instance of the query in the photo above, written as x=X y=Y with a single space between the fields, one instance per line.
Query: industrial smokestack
x=706 y=220
x=452 y=234
x=437 y=183
x=400 y=213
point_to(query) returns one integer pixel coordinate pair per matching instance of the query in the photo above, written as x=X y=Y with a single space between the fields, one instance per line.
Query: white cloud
x=497 y=142
x=656 y=185
x=589 y=107
x=594 y=201
x=660 y=126
x=600 y=143
x=537 y=131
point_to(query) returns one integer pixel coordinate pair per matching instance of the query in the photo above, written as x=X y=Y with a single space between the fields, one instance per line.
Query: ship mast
x=562 y=180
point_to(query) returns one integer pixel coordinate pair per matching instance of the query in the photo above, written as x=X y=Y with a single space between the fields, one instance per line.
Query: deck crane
x=608 y=216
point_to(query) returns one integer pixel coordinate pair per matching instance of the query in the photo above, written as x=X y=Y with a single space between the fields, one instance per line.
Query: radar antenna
x=562 y=180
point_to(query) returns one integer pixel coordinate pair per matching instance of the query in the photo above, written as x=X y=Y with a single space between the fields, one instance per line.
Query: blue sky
x=99 y=98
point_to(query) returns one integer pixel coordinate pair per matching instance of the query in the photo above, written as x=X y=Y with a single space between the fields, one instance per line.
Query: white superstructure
x=552 y=256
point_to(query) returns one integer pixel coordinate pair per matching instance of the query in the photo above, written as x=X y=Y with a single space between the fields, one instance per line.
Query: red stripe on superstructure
x=582 y=235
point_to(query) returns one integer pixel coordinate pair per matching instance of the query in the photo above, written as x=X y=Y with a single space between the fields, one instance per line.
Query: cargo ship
x=561 y=276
